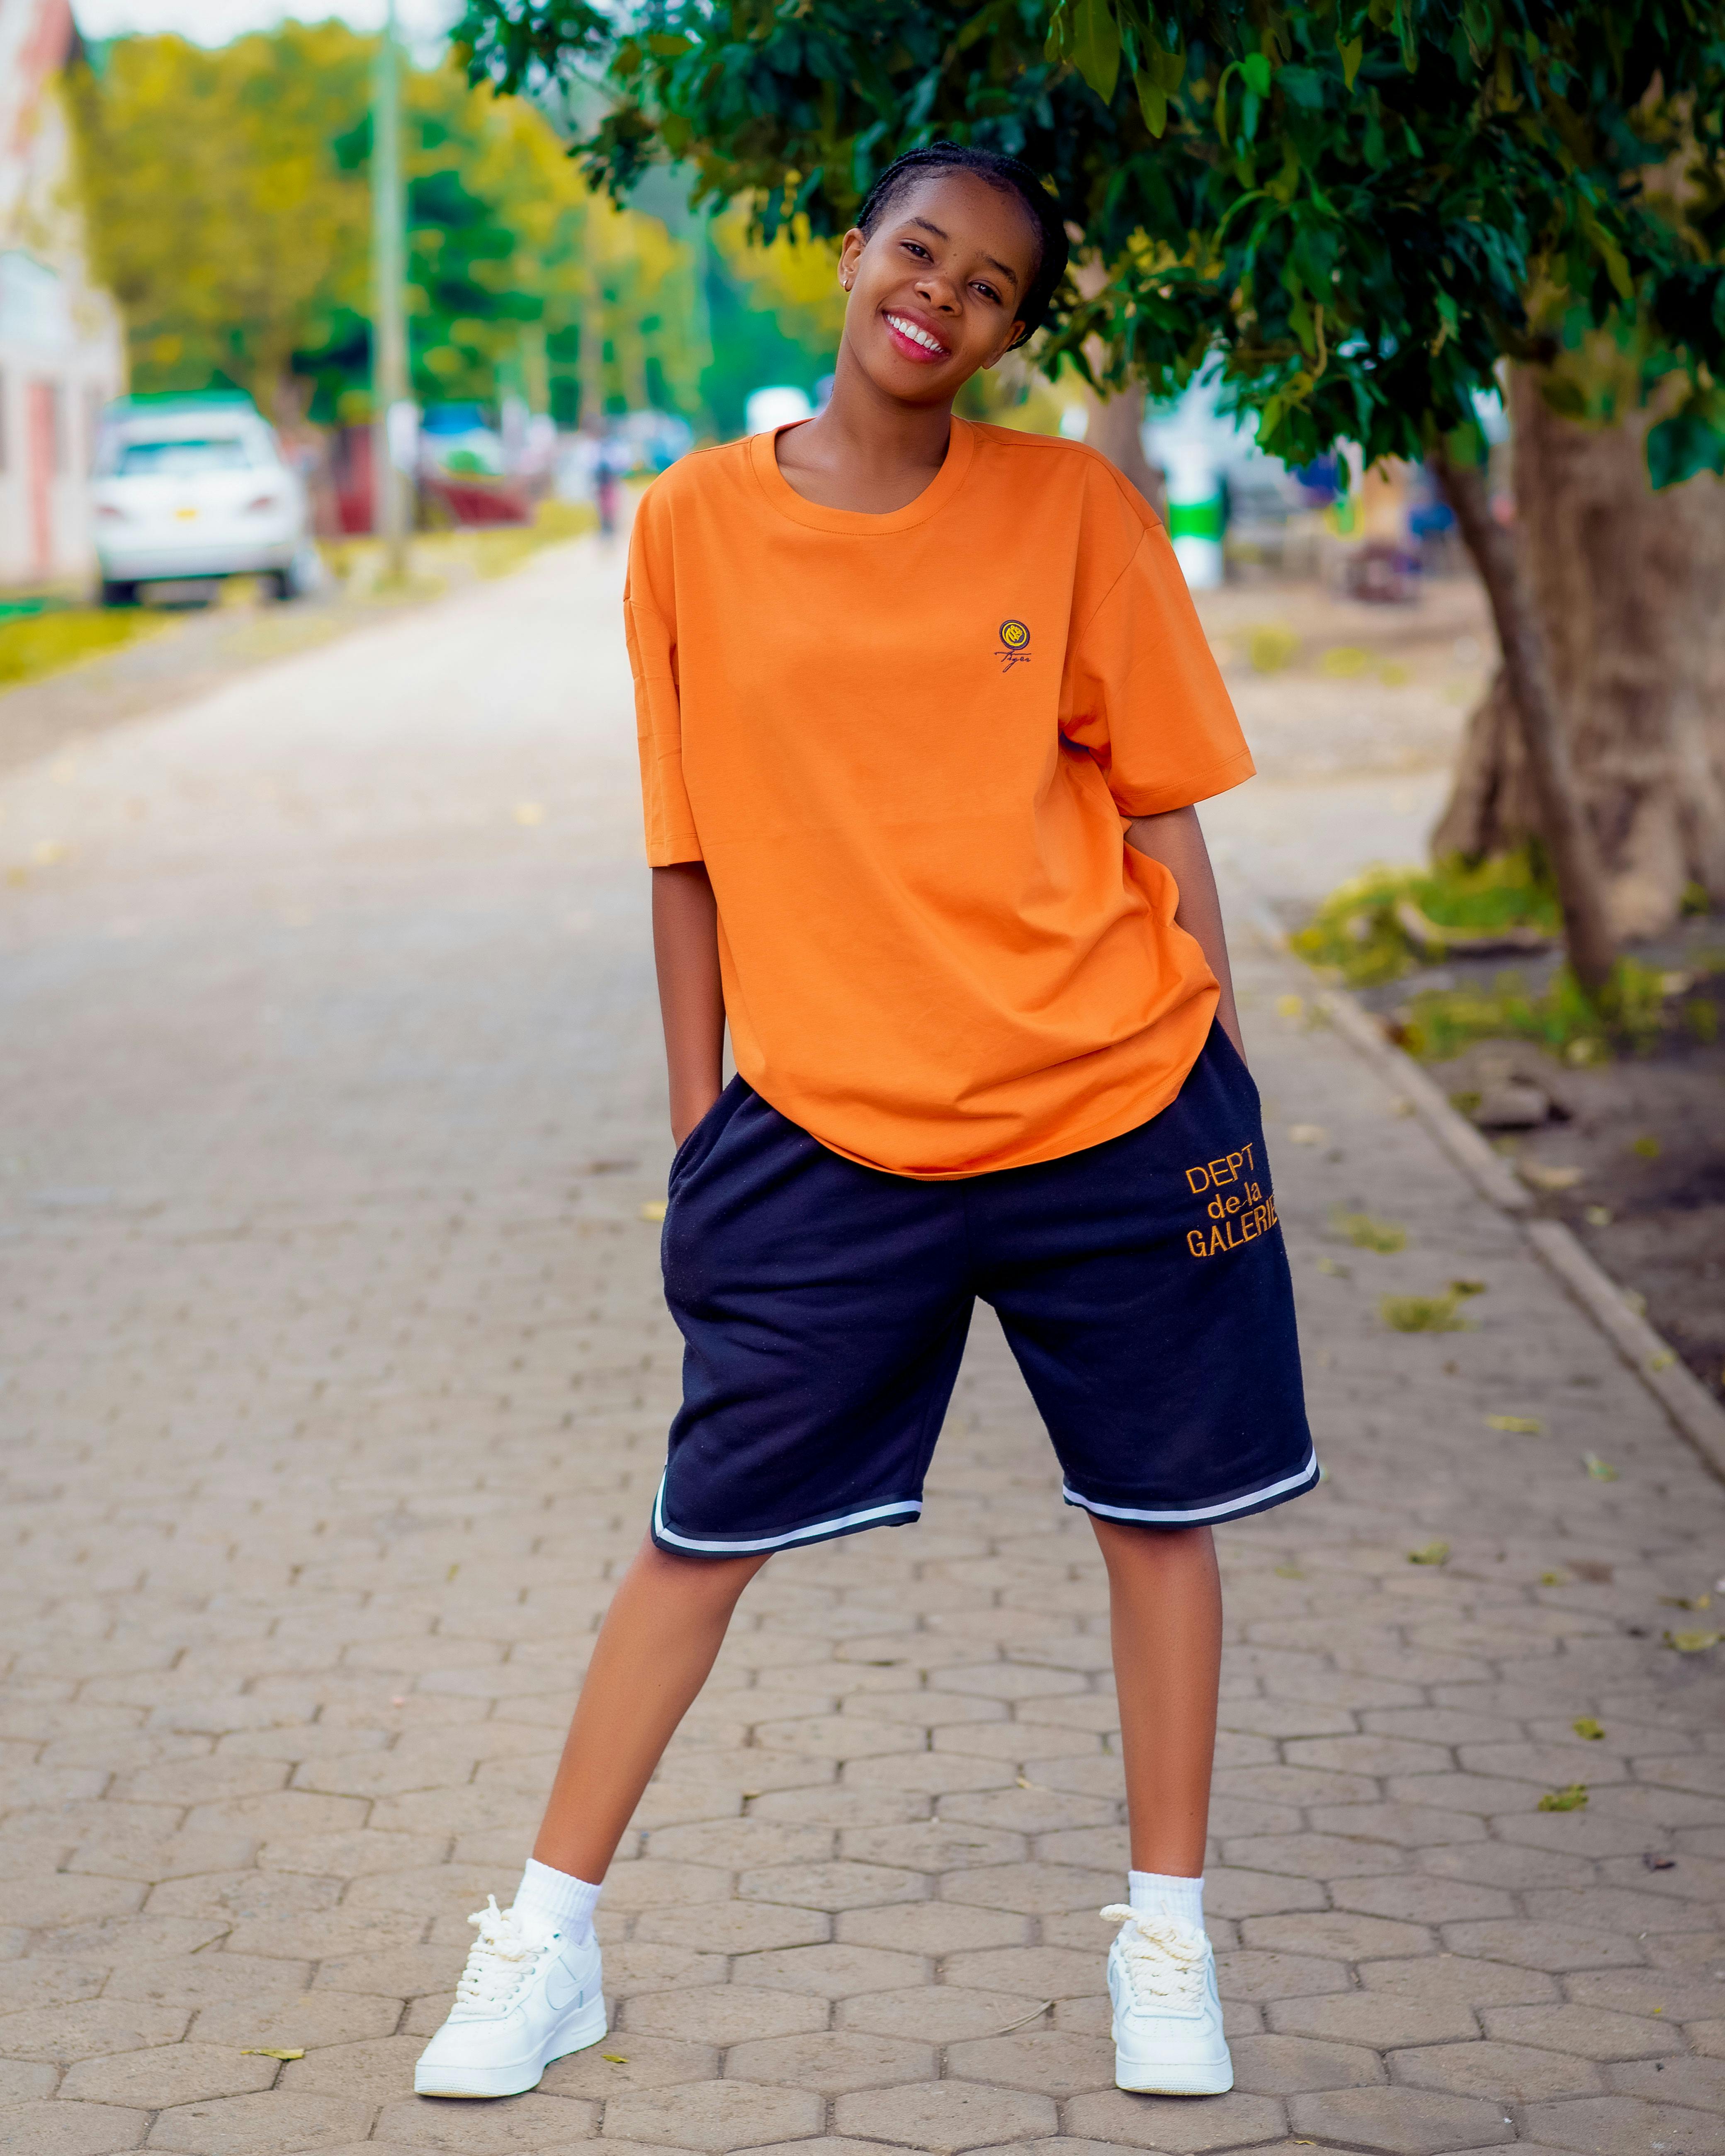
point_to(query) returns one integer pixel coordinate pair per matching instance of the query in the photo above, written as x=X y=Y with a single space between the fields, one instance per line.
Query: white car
x=195 y=490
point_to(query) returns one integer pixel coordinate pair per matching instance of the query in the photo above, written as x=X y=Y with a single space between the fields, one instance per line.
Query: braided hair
x=1010 y=176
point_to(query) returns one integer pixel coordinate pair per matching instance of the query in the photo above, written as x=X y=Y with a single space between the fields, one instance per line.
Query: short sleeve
x=649 y=623
x=1144 y=695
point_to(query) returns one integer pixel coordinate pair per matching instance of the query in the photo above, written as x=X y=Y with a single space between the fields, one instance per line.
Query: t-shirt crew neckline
x=816 y=516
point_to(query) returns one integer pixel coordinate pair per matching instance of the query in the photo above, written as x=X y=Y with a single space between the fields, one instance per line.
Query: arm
x=1176 y=841
x=691 y=1001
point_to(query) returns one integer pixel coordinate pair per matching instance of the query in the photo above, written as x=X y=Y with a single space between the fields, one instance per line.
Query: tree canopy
x=227 y=195
x=1363 y=205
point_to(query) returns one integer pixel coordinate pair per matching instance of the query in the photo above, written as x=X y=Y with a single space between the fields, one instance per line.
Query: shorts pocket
x=694 y=1140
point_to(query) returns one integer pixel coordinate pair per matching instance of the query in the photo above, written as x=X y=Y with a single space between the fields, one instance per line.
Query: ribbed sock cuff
x=562 y=1901
x=1182 y=1899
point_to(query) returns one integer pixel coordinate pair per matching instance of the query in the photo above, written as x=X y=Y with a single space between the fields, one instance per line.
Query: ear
x=850 y=249
x=1012 y=337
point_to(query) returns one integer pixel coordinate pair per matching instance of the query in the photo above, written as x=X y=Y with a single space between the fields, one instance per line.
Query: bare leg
x=1165 y=1603
x=661 y=1635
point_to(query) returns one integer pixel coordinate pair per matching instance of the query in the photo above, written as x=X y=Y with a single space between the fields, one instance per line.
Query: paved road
x=334 y=1381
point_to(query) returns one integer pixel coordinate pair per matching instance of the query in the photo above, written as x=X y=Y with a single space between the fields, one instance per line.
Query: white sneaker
x=527 y=1996
x=1168 y=2020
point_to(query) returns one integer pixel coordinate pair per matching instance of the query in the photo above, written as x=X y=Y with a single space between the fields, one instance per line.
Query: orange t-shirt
x=903 y=745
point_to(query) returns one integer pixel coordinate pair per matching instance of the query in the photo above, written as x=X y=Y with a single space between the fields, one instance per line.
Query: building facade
x=62 y=348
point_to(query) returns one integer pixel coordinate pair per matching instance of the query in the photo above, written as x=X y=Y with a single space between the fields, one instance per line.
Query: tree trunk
x=1629 y=588
x=1544 y=738
x=1115 y=426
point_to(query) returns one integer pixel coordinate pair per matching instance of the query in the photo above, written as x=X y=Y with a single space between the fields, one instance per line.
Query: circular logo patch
x=1014 y=635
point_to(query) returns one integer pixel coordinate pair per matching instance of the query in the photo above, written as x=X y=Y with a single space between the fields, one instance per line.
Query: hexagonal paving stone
x=1613 y=2125
x=300 y=2022
x=738 y=1927
x=1034 y=1972
x=1338 y=1934
x=381 y=2071
x=945 y=2115
x=833 y=2062
x=1246 y=1974
x=1113 y=2119
x=1379 y=2019
x=937 y=2013
x=933 y=1927
x=1516 y=2073
x=836 y=1971
x=1033 y=1889
x=1556 y=1947
x=90 y=2029
x=1053 y=2062
x=262 y=2125
x=721 y=2014
x=632 y=2061
x=1699 y=2083
x=532 y=2122
x=1452 y=1976
x=1293 y=2065
x=721 y=2115
x=835 y=1885
x=1402 y=2122
x=60 y=2128
x=1590 y=2032
x=169 y=2074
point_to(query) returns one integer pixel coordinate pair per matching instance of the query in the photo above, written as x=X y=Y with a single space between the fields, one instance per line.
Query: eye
x=916 y=247
x=988 y=292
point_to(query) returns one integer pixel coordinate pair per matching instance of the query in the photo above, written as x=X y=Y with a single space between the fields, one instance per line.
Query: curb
x=1696 y=1413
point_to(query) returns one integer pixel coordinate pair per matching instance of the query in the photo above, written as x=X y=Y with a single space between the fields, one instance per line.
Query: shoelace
x=498 y=1960
x=1164 y=1960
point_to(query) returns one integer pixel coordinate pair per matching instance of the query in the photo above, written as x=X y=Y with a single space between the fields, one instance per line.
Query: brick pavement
x=335 y=1381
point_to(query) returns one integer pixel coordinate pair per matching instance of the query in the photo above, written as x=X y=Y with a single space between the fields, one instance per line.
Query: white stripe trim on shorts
x=899 y=1510
x=1188 y=1516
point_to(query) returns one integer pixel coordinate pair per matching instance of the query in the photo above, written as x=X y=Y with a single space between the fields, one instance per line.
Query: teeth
x=917 y=336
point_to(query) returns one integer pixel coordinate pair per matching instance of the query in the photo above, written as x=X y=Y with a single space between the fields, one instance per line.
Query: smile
x=920 y=337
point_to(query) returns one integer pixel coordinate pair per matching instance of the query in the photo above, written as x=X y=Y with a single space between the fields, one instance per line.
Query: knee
x=714 y=1582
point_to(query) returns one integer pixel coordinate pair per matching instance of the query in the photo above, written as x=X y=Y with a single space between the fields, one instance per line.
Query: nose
x=934 y=286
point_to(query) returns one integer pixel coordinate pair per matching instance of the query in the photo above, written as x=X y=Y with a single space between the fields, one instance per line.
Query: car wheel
x=117 y=594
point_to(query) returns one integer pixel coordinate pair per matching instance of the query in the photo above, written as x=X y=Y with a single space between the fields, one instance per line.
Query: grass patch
x=1440 y=1023
x=33 y=645
x=1366 y=1234
x=1355 y=934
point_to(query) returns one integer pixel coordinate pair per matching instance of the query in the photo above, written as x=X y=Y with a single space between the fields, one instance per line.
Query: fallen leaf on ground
x=614 y=2058
x=1584 y=1725
x=529 y=812
x=1520 y=1425
x=1654 y=1861
x=1572 y=1800
x=1432 y=1554
x=1422 y=1313
x=1553 y=1580
x=268 y=2051
x=1290 y=1006
x=1687 y=1601
x=1289 y=1571
x=1693 y=1643
x=1553 y=1178
x=1602 y=1471
x=1335 y=1268
x=1598 y=1216
x=654 y=1209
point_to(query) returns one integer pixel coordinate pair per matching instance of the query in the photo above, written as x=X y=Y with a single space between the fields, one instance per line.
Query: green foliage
x=1355 y=931
x=1366 y=1233
x=1352 y=200
x=34 y=644
x=1628 y=1015
x=228 y=198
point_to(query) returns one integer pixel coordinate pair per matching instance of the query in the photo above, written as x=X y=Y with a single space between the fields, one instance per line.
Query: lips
x=913 y=340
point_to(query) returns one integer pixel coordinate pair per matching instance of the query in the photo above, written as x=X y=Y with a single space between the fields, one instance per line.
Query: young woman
x=923 y=711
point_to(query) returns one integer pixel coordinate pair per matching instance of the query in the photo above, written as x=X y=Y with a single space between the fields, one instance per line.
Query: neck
x=865 y=429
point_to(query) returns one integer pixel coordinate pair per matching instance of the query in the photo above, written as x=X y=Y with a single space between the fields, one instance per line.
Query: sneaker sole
x=585 y=2027
x=1175 y=2080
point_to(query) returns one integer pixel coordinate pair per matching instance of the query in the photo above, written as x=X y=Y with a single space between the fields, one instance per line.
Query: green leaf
x=1152 y=102
x=1096 y=46
x=1256 y=70
x=1352 y=53
x=1680 y=447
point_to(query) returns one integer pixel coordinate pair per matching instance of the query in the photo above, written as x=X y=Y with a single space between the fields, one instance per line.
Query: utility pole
x=392 y=410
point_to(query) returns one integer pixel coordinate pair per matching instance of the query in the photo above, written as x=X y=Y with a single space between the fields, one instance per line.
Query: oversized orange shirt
x=903 y=745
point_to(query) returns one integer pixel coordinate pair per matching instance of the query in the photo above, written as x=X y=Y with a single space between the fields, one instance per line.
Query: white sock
x=563 y=1902
x=1182 y=1899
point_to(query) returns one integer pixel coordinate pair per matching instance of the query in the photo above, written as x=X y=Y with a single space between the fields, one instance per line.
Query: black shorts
x=1142 y=1285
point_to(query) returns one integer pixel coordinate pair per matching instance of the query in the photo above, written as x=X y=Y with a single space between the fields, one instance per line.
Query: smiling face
x=937 y=288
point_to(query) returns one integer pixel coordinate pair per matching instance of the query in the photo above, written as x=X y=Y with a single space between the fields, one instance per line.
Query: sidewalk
x=334 y=1379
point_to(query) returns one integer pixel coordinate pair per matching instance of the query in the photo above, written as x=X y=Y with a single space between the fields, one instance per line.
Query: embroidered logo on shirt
x=1242 y=1215
x=1013 y=638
